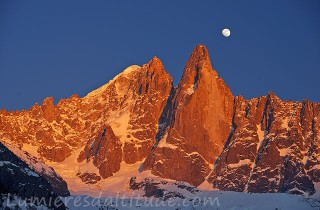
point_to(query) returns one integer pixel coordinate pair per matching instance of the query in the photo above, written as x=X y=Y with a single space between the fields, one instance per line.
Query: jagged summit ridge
x=195 y=132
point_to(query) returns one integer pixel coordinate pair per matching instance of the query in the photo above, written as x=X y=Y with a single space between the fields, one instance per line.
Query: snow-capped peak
x=125 y=73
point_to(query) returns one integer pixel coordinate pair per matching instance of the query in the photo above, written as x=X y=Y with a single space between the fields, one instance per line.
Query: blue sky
x=58 y=48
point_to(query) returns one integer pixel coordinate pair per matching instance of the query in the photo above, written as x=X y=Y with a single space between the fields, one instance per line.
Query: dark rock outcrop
x=58 y=184
x=17 y=178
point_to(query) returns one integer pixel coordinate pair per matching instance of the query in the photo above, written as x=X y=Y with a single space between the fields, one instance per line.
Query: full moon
x=226 y=32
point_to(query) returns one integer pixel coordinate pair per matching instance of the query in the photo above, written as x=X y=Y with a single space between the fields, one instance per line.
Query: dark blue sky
x=58 y=48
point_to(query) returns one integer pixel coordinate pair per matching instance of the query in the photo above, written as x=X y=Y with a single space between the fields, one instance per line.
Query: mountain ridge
x=194 y=132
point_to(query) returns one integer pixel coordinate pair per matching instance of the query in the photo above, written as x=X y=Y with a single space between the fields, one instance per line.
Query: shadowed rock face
x=198 y=125
x=192 y=132
x=17 y=178
x=56 y=181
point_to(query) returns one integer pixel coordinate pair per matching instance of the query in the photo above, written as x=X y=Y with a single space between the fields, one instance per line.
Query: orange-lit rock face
x=191 y=132
x=204 y=108
x=131 y=105
x=152 y=90
x=49 y=112
x=105 y=152
x=273 y=148
x=198 y=126
x=140 y=92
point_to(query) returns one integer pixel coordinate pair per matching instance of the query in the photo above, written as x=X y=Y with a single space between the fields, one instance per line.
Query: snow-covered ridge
x=34 y=163
x=101 y=89
x=31 y=161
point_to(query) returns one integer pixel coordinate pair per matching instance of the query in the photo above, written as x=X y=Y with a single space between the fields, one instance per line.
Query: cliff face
x=194 y=132
x=117 y=122
x=274 y=147
x=106 y=154
x=197 y=126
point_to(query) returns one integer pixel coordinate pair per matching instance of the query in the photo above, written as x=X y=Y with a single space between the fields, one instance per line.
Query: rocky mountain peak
x=75 y=97
x=272 y=96
x=193 y=124
x=183 y=133
x=200 y=53
x=48 y=109
x=49 y=101
x=198 y=66
x=155 y=68
x=156 y=62
x=35 y=108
